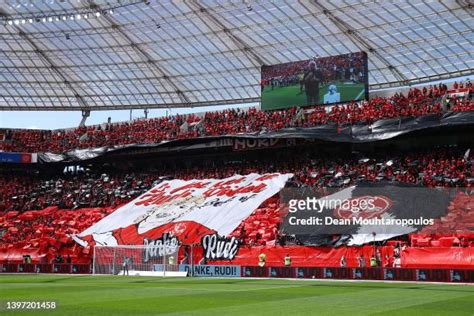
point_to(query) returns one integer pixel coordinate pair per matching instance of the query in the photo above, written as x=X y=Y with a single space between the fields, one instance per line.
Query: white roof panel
x=111 y=54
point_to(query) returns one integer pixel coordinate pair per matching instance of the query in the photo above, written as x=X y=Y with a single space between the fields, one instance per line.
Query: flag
x=187 y=209
x=365 y=213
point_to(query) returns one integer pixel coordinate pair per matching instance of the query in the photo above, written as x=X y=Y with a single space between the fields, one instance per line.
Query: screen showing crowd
x=315 y=81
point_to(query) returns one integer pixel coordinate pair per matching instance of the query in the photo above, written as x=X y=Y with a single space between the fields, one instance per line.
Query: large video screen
x=315 y=81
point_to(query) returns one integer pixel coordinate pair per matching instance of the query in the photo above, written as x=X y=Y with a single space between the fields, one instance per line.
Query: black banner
x=361 y=213
x=216 y=247
x=261 y=143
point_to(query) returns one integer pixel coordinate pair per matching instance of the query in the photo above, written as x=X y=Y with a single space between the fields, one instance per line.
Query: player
x=301 y=81
x=332 y=96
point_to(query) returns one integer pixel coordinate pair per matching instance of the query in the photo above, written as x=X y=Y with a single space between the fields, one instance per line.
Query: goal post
x=135 y=260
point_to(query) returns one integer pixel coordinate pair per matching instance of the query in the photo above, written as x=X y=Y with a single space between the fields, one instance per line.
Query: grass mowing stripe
x=454 y=306
x=355 y=303
x=112 y=295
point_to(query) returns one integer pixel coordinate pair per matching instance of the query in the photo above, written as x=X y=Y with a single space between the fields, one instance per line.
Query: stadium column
x=85 y=115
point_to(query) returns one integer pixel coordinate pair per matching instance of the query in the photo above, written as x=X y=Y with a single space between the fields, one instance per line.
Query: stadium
x=236 y=157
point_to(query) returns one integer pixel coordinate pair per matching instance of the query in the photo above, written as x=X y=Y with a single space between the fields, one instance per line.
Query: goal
x=140 y=260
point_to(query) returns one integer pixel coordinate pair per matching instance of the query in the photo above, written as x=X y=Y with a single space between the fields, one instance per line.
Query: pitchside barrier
x=387 y=274
x=335 y=273
x=68 y=268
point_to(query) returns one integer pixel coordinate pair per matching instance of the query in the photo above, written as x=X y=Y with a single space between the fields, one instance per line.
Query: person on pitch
x=332 y=96
x=312 y=78
x=287 y=260
x=125 y=264
x=301 y=81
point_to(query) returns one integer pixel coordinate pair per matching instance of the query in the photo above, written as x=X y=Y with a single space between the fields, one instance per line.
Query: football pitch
x=116 y=295
x=284 y=97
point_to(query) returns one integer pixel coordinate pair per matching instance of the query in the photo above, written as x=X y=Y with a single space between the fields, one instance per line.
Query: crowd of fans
x=46 y=234
x=446 y=167
x=332 y=68
x=69 y=203
x=416 y=103
x=134 y=132
x=253 y=120
x=20 y=193
x=283 y=70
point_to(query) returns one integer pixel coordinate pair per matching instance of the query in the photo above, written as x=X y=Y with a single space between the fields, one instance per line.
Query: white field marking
x=225 y=290
x=214 y=289
x=238 y=278
x=360 y=94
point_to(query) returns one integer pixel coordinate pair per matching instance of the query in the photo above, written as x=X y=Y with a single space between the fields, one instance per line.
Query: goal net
x=135 y=260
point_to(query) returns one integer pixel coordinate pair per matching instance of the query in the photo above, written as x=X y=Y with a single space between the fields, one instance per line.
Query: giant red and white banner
x=187 y=209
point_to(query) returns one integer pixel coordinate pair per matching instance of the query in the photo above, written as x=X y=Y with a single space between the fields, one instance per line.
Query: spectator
x=373 y=261
x=262 y=258
x=234 y=121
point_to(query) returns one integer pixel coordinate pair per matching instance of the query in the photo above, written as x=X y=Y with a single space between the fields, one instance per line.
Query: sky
x=68 y=119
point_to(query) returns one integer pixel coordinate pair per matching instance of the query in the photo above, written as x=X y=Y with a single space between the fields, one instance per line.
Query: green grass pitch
x=116 y=295
x=284 y=97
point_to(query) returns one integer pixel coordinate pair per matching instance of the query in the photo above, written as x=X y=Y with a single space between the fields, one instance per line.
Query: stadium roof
x=121 y=54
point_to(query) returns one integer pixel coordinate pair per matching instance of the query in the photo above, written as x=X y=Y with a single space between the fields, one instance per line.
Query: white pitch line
x=360 y=94
x=224 y=290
